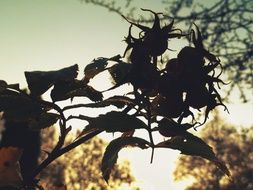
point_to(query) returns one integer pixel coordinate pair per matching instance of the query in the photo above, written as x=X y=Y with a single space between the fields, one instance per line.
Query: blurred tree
x=80 y=168
x=226 y=26
x=232 y=146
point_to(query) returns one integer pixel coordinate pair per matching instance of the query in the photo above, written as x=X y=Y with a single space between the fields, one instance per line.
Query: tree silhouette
x=234 y=146
x=226 y=26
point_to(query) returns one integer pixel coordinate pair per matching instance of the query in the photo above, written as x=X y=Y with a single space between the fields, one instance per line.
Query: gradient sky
x=51 y=34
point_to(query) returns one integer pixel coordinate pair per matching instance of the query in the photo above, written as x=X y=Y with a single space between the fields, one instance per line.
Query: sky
x=49 y=35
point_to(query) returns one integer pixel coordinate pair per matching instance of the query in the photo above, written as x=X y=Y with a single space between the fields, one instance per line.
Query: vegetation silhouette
x=161 y=99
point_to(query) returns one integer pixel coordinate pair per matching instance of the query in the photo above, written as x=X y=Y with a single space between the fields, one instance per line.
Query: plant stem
x=150 y=132
x=54 y=155
x=62 y=123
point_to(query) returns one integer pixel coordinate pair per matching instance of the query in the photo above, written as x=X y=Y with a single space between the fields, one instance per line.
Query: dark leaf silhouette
x=194 y=146
x=96 y=66
x=120 y=73
x=3 y=85
x=116 y=122
x=111 y=153
x=44 y=120
x=118 y=101
x=40 y=81
x=169 y=128
x=69 y=89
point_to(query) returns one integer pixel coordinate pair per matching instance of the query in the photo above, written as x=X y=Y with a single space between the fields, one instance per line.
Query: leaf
x=170 y=128
x=93 y=94
x=118 y=101
x=3 y=85
x=9 y=166
x=116 y=122
x=40 y=81
x=44 y=120
x=120 y=72
x=194 y=146
x=75 y=88
x=97 y=66
x=111 y=153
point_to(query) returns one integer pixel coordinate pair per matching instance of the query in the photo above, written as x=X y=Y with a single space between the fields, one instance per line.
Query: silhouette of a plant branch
x=160 y=100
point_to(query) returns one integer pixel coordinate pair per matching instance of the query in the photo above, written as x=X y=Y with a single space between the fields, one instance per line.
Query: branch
x=54 y=155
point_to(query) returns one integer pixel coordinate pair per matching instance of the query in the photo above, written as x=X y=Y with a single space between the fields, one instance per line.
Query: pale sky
x=52 y=34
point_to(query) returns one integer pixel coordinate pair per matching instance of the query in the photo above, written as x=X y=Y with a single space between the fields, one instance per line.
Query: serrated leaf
x=75 y=88
x=44 y=120
x=194 y=146
x=40 y=81
x=120 y=72
x=116 y=122
x=95 y=67
x=111 y=153
x=118 y=101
